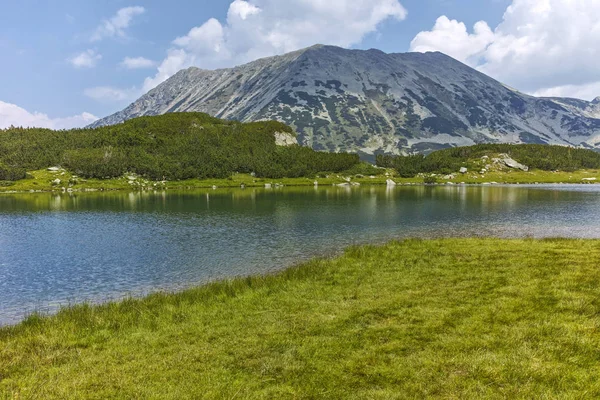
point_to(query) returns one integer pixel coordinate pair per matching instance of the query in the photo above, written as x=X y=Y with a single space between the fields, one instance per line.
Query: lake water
x=60 y=249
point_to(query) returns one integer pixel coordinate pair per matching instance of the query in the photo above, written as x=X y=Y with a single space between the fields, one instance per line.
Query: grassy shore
x=42 y=181
x=451 y=318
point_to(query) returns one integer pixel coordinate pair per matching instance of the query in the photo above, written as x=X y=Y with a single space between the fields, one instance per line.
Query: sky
x=66 y=63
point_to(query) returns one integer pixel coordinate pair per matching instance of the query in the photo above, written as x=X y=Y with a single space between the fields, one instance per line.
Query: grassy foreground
x=451 y=318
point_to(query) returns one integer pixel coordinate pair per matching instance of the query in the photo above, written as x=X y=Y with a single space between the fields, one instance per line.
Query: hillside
x=372 y=102
x=484 y=158
x=174 y=146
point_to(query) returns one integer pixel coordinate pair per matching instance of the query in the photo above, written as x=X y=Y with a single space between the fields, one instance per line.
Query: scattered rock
x=56 y=182
x=54 y=169
x=267 y=186
x=463 y=170
x=589 y=179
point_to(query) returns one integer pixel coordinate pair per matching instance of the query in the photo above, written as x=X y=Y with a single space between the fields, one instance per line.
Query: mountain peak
x=372 y=102
x=596 y=100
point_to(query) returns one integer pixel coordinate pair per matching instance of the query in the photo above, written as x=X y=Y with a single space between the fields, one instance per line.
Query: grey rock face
x=372 y=102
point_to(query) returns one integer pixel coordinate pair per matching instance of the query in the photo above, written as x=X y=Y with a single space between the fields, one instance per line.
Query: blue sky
x=63 y=58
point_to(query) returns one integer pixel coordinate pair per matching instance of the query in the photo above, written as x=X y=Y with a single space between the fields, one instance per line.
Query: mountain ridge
x=372 y=102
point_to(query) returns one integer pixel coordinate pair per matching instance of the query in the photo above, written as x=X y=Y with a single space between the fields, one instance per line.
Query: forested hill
x=172 y=146
x=535 y=156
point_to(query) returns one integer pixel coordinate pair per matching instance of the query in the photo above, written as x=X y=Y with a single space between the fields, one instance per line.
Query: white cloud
x=86 y=59
x=260 y=28
x=541 y=46
x=108 y=94
x=116 y=26
x=11 y=114
x=137 y=63
x=453 y=37
x=587 y=91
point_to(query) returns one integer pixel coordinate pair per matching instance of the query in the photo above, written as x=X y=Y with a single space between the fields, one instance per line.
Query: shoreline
x=44 y=181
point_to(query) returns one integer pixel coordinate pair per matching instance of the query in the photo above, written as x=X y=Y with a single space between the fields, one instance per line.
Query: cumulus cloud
x=86 y=59
x=541 y=46
x=453 y=37
x=11 y=114
x=260 y=28
x=109 y=94
x=137 y=63
x=117 y=24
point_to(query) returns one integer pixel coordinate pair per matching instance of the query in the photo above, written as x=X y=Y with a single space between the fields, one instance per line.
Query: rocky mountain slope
x=372 y=102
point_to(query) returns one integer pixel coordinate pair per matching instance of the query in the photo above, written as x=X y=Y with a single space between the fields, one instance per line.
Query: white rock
x=267 y=186
x=285 y=139
x=509 y=162
x=56 y=182
x=54 y=169
x=463 y=170
x=390 y=182
x=589 y=179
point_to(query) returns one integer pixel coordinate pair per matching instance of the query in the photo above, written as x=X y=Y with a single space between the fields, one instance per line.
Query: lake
x=60 y=249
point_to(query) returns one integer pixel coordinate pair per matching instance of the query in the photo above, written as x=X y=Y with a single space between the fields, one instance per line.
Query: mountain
x=371 y=102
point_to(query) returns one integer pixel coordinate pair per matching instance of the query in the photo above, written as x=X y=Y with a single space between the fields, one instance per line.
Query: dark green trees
x=172 y=146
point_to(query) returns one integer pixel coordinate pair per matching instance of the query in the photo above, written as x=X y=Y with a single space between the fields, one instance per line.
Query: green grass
x=41 y=181
x=451 y=318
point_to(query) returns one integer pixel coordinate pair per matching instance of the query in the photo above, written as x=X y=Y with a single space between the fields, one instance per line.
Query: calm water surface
x=63 y=249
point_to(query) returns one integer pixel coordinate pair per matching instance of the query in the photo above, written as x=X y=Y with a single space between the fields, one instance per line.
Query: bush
x=430 y=180
x=8 y=173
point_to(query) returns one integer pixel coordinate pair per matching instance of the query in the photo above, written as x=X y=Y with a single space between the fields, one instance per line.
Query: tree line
x=538 y=156
x=172 y=146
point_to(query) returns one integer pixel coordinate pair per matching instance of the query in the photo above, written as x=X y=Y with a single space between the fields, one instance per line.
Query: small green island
x=194 y=150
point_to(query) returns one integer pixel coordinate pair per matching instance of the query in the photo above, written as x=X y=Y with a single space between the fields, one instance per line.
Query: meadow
x=442 y=318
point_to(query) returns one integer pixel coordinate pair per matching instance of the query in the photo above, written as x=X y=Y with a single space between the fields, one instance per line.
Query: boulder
x=285 y=139
x=267 y=186
x=463 y=170
x=589 y=179
x=510 y=163
x=56 y=182
x=54 y=169
x=390 y=182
